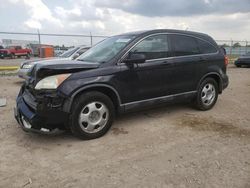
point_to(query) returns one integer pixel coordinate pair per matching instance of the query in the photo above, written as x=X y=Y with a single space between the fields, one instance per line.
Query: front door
x=153 y=78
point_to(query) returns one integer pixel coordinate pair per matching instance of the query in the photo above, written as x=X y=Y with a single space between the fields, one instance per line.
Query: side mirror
x=135 y=58
x=76 y=55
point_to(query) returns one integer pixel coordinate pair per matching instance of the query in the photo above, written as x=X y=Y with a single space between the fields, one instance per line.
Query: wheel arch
x=216 y=76
x=108 y=90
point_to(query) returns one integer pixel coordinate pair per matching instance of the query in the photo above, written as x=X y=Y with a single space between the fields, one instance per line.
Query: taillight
x=226 y=60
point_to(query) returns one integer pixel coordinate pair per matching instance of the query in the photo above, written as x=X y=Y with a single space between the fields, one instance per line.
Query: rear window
x=184 y=45
x=206 y=47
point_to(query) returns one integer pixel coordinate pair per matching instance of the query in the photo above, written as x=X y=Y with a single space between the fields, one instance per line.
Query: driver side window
x=153 y=47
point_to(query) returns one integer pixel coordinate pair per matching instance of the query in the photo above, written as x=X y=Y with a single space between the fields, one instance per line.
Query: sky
x=222 y=19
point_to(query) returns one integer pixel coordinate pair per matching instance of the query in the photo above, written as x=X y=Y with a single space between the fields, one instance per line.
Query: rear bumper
x=225 y=82
x=36 y=119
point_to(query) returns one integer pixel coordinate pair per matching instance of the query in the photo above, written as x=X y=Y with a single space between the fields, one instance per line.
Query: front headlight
x=51 y=82
x=27 y=66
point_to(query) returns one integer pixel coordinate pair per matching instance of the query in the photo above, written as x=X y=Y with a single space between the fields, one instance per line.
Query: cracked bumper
x=38 y=117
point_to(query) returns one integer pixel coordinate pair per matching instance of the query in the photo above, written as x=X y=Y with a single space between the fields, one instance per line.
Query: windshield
x=69 y=52
x=106 y=50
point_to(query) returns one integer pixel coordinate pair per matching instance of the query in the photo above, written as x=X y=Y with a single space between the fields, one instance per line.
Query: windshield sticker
x=122 y=40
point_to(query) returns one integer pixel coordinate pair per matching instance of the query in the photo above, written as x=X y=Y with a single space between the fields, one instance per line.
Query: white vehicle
x=70 y=54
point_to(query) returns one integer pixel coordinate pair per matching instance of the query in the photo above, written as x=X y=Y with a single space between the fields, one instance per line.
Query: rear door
x=210 y=56
x=187 y=57
x=20 y=51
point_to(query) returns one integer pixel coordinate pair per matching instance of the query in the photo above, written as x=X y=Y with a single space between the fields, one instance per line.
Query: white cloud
x=33 y=24
x=38 y=12
x=85 y=16
x=63 y=13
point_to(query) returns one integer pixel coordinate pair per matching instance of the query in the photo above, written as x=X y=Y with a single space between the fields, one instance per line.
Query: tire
x=28 y=56
x=207 y=94
x=92 y=115
x=12 y=56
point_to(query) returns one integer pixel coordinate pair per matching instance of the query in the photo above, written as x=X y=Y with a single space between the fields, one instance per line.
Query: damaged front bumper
x=44 y=116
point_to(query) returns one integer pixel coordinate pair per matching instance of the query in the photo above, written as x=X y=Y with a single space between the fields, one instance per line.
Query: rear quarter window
x=205 y=47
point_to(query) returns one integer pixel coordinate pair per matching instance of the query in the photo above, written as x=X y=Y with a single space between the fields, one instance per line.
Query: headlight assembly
x=51 y=82
x=27 y=66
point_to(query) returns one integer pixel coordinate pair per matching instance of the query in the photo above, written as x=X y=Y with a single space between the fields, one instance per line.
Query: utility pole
x=39 y=40
x=39 y=37
x=91 y=39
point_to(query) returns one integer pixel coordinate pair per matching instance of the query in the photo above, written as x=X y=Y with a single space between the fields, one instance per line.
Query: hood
x=49 y=68
x=34 y=61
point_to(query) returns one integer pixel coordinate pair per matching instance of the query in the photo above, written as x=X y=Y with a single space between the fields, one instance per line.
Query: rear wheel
x=28 y=56
x=207 y=94
x=92 y=115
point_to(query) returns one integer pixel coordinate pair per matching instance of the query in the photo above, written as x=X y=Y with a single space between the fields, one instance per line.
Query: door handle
x=202 y=59
x=167 y=63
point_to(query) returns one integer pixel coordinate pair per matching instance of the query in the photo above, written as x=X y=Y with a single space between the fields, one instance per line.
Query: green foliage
x=237 y=44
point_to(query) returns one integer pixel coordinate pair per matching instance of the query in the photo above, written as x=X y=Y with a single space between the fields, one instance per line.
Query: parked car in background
x=15 y=51
x=243 y=60
x=59 y=52
x=70 y=54
x=126 y=72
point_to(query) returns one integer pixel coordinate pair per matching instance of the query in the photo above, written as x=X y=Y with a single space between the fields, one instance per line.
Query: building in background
x=38 y=50
x=13 y=42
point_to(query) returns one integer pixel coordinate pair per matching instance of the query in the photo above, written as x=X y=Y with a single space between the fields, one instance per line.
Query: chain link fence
x=67 y=40
x=234 y=48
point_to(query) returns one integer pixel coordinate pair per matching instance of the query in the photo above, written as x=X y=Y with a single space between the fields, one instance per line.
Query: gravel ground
x=172 y=146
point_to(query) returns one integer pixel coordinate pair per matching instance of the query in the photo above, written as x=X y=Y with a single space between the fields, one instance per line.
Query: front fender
x=73 y=88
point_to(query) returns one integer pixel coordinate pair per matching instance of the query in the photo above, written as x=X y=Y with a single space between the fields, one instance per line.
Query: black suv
x=121 y=73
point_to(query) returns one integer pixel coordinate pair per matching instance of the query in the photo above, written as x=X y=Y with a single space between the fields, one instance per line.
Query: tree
x=237 y=44
x=224 y=45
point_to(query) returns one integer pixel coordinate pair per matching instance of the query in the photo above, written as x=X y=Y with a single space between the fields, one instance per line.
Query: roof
x=148 y=32
x=163 y=31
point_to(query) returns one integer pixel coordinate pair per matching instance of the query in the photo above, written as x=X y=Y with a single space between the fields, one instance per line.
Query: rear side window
x=205 y=47
x=184 y=45
x=153 y=47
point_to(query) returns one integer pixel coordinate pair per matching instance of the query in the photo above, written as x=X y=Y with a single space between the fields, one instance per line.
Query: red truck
x=15 y=51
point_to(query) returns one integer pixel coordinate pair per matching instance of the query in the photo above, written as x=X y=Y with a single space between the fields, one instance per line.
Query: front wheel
x=92 y=115
x=207 y=94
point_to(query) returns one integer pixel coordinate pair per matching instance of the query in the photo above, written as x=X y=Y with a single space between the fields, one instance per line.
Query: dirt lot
x=14 y=62
x=174 y=146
